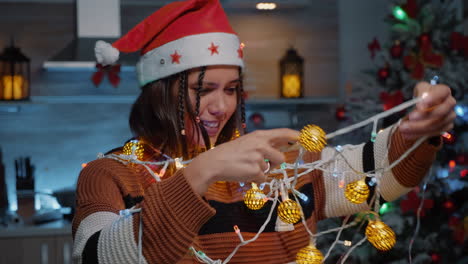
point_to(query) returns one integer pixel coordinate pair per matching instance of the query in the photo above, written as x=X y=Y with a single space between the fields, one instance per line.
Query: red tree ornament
x=425 y=41
x=340 y=113
x=373 y=47
x=391 y=100
x=426 y=57
x=449 y=206
x=383 y=74
x=112 y=73
x=435 y=258
x=396 y=50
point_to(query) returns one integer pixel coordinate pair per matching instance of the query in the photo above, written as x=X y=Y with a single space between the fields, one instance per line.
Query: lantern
x=14 y=74
x=291 y=75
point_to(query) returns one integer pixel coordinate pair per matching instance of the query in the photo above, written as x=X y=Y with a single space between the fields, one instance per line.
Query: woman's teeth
x=211 y=124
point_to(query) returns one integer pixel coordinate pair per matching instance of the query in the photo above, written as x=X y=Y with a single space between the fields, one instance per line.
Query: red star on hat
x=176 y=58
x=213 y=49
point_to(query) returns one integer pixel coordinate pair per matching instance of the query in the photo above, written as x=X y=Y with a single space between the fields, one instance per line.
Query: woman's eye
x=203 y=91
x=231 y=90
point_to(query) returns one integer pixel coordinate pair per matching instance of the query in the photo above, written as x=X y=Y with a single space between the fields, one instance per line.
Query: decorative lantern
x=14 y=74
x=380 y=235
x=309 y=255
x=291 y=75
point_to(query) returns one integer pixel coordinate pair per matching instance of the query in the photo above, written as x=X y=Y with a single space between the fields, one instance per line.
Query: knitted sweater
x=174 y=217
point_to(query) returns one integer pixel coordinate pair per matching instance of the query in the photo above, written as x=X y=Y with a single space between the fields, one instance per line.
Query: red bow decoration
x=411 y=8
x=373 y=47
x=391 y=100
x=111 y=71
x=412 y=203
x=459 y=42
x=426 y=57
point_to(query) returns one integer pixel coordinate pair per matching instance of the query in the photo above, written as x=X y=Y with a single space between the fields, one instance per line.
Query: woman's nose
x=217 y=106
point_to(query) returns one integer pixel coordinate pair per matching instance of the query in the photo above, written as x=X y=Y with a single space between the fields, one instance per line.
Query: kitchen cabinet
x=45 y=244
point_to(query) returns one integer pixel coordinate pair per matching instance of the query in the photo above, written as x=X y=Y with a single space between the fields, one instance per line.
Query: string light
x=312 y=138
x=357 y=192
x=254 y=198
x=382 y=236
x=399 y=13
x=266 y=6
x=309 y=255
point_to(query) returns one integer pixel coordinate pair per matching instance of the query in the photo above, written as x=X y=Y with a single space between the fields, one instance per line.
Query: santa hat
x=177 y=37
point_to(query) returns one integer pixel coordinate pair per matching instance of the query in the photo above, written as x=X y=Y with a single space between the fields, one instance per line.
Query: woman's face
x=218 y=99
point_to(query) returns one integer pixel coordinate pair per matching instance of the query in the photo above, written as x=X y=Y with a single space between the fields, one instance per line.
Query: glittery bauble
x=254 y=198
x=134 y=147
x=357 y=192
x=380 y=235
x=313 y=138
x=309 y=255
x=289 y=211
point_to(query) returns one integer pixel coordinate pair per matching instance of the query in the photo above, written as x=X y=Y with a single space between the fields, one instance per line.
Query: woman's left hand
x=433 y=115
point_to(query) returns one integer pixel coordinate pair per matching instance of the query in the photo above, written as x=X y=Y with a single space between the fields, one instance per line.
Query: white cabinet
x=36 y=244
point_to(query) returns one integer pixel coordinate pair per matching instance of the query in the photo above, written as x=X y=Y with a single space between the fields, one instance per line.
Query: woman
x=190 y=72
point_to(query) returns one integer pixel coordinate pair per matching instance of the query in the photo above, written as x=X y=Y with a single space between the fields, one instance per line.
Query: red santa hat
x=179 y=36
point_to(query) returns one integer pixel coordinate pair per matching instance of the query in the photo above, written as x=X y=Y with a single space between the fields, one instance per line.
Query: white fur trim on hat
x=189 y=52
x=105 y=53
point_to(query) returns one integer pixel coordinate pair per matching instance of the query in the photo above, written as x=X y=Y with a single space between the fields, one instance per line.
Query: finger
x=280 y=136
x=416 y=129
x=274 y=156
x=437 y=112
x=436 y=94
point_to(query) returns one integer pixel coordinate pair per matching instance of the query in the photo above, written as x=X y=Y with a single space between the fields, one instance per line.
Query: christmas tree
x=431 y=221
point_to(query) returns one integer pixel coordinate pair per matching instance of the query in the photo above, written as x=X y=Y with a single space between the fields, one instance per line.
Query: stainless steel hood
x=79 y=54
x=95 y=20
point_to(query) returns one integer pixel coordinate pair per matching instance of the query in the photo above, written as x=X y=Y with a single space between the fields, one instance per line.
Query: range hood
x=79 y=54
x=95 y=20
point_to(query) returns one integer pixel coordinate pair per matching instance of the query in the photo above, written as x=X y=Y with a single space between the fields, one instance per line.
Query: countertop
x=56 y=228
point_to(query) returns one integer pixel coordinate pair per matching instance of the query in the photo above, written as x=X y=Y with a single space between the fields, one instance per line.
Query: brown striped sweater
x=174 y=217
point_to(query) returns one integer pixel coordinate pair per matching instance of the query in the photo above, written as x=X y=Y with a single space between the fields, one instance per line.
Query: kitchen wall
x=60 y=133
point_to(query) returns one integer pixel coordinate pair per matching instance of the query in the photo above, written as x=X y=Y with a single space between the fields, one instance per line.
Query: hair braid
x=201 y=76
x=181 y=102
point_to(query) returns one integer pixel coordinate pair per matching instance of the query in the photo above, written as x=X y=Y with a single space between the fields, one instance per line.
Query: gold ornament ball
x=380 y=235
x=313 y=138
x=309 y=255
x=289 y=211
x=357 y=192
x=254 y=199
x=134 y=147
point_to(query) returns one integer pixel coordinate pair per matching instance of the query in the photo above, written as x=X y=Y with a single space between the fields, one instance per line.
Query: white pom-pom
x=105 y=53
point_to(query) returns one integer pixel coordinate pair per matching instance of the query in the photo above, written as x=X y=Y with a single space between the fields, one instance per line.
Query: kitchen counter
x=56 y=228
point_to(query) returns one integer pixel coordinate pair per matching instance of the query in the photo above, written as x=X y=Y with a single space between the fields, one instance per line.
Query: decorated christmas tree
x=431 y=221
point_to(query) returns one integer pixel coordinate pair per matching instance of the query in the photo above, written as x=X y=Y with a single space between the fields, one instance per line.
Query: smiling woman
x=146 y=202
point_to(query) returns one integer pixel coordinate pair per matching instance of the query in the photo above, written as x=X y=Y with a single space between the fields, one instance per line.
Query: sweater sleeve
x=348 y=166
x=171 y=215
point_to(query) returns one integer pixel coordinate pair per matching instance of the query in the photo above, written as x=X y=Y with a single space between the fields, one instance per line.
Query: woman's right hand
x=241 y=160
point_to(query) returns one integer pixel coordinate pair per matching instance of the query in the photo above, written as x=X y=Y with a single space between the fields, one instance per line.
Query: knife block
x=26 y=204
